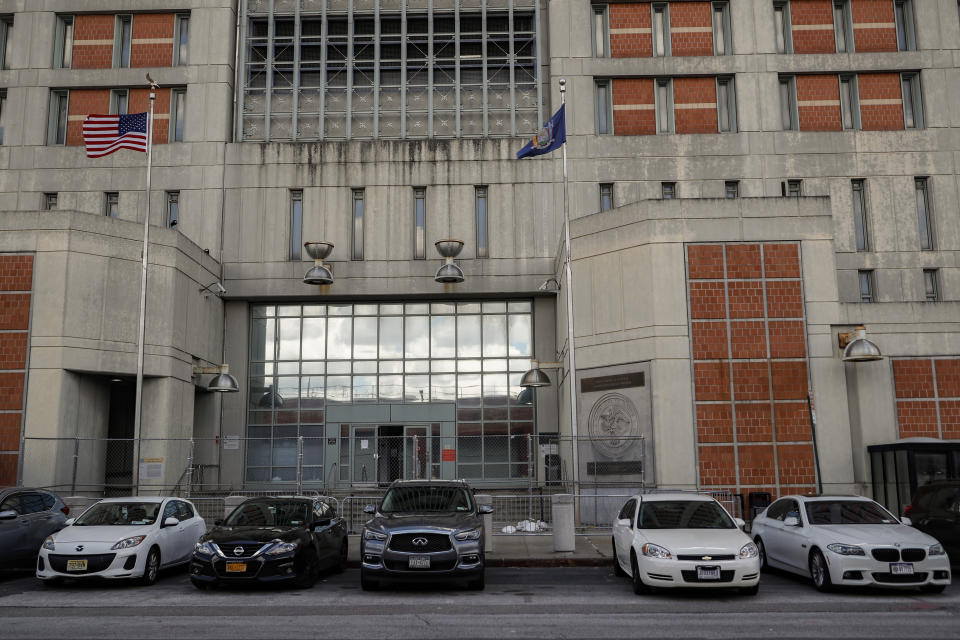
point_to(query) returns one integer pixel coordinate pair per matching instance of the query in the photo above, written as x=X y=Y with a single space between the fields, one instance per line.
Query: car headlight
x=656 y=551
x=935 y=550
x=282 y=547
x=127 y=543
x=846 y=549
x=203 y=549
x=472 y=534
x=369 y=534
x=748 y=550
x=48 y=544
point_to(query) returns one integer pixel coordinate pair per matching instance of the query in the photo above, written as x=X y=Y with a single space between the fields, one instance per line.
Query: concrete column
x=564 y=533
x=487 y=522
x=230 y=503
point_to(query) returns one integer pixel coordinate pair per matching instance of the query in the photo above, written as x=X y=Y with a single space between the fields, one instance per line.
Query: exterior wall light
x=536 y=377
x=318 y=273
x=449 y=272
x=222 y=382
x=856 y=347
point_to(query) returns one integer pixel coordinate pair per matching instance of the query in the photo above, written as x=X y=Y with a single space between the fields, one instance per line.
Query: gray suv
x=424 y=530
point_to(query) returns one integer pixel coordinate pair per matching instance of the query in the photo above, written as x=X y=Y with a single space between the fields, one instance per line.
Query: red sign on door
x=449 y=455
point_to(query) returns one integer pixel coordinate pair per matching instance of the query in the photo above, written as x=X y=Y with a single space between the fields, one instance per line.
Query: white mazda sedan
x=683 y=540
x=848 y=540
x=120 y=538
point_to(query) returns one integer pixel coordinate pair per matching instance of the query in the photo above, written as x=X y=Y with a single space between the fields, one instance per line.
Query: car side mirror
x=740 y=522
x=9 y=514
x=907 y=521
x=170 y=522
x=218 y=522
x=791 y=522
x=484 y=509
x=369 y=509
x=69 y=521
x=624 y=522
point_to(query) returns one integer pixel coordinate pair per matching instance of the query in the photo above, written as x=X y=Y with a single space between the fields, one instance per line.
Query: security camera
x=206 y=251
x=219 y=287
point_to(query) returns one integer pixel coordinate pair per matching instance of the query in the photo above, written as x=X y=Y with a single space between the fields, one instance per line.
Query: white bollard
x=487 y=522
x=564 y=532
x=230 y=503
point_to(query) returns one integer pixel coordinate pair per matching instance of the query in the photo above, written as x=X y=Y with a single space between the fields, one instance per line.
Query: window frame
x=794 y=188
x=911 y=79
x=419 y=223
x=866 y=276
x=731 y=186
x=603 y=87
x=861 y=219
x=669 y=126
x=725 y=27
x=296 y=225
x=357 y=229
x=931 y=285
x=62 y=52
x=481 y=194
x=852 y=101
x=668 y=187
x=790 y=82
x=173 y=209
x=603 y=12
x=3 y=110
x=121 y=47
x=925 y=218
x=178 y=21
x=58 y=97
x=664 y=8
x=119 y=97
x=905 y=21
x=6 y=26
x=845 y=27
x=111 y=197
x=49 y=202
x=606 y=194
x=731 y=104
x=178 y=115
x=785 y=31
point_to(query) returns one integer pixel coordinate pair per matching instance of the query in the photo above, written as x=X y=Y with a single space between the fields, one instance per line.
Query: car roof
x=290 y=497
x=662 y=496
x=835 y=496
x=429 y=483
x=150 y=499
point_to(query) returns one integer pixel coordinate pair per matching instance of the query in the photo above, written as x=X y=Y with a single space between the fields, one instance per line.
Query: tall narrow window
x=357 y=226
x=6 y=41
x=603 y=105
x=924 y=214
x=912 y=105
x=931 y=285
x=57 y=124
x=606 y=196
x=419 y=223
x=119 y=100
x=664 y=99
x=849 y=105
x=726 y=105
x=860 y=227
x=788 y=103
x=721 y=29
x=173 y=208
x=122 y=40
x=781 y=27
x=867 y=293
x=668 y=190
x=842 y=26
x=111 y=204
x=63 y=50
x=483 y=250
x=178 y=113
x=600 y=31
x=732 y=188
x=49 y=201
x=3 y=111
x=906 y=32
x=181 y=39
x=661 y=29
x=296 y=223
x=794 y=188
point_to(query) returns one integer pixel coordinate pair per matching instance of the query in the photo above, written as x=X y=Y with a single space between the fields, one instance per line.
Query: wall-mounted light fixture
x=319 y=273
x=856 y=347
x=222 y=382
x=449 y=272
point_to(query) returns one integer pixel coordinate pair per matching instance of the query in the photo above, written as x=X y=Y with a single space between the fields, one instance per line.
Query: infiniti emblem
x=420 y=542
x=238 y=551
x=79 y=547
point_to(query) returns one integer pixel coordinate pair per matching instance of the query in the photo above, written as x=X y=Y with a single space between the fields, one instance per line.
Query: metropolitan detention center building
x=748 y=180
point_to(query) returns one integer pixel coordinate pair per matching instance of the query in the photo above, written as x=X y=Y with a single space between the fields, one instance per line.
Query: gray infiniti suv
x=424 y=529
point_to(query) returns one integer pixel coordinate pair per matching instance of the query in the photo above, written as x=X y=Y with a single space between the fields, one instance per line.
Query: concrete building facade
x=748 y=179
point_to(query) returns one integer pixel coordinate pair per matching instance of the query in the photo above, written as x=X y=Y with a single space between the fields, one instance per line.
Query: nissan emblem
x=238 y=551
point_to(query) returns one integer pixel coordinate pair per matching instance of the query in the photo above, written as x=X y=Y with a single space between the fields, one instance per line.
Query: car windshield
x=426 y=500
x=119 y=513
x=287 y=513
x=847 y=512
x=683 y=514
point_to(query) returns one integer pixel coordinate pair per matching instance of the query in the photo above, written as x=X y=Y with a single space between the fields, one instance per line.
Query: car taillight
x=907 y=509
x=66 y=510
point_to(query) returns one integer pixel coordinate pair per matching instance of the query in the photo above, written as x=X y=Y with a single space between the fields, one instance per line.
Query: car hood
x=874 y=534
x=440 y=521
x=698 y=541
x=100 y=534
x=228 y=535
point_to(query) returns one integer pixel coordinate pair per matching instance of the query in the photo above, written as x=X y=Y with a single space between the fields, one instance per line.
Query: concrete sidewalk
x=529 y=550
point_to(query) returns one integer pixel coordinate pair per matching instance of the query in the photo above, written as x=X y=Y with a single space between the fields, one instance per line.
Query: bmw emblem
x=238 y=551
x=420 y=541
x=79 y=547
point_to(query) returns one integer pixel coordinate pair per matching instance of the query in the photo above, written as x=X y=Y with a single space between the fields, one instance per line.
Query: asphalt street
x=570 y=602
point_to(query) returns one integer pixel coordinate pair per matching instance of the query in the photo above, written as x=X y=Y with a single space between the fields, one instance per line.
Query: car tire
x=762 y=552
x=933 y=588
x=820 y=572
x=311 y=571
x=151 y=568
x=639 y=587
x=341 y=565
x=367 y=583
x=202 y=586
x=477 y=584
x=750 y=591
x=617 y=569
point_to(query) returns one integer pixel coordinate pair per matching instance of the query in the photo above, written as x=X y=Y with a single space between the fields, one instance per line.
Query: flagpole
x=138 y=405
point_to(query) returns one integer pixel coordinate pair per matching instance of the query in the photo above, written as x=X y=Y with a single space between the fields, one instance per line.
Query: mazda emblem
x=79 y=547
x=238 y=551
x=420 y=542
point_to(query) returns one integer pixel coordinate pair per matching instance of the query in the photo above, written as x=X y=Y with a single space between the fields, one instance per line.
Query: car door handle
x=803 y=546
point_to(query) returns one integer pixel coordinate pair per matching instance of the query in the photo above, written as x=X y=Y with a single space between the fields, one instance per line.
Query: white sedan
x=122 y=538
x=848 y=540
x=683 y=540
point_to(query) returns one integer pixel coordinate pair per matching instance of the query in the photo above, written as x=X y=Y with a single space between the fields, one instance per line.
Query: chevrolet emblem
x=706 y=558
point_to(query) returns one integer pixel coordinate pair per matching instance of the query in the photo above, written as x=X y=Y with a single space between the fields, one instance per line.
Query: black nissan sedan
x=275 y=539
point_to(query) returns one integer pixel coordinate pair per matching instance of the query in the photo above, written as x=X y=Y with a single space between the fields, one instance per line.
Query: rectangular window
x=732 y=188
x=906 y=32
x=722 y=44
x=357 y=226
x=849 y=105
x=119 y=99
x=794 y=188
x=600 y=31
x=924 y=214
x=178 y=113
x=668 y=190
x=664 y=99
x=931 y=285
x=3 y=111
x=49 y=201
x=860 y=227
x=867 y=293
x=296 y=223
x=181 y=38
x=606 y=196
x=111 y=204
x=604 y=108
x=483 y=250
x=912 y=105
x=781 y=26
x=57 y=123
x=788 y=103
x=419 y=223
x=726 y=105
x=63 y=49
x=122 y=40
x=6 y=41
x=661 y=29
x=842 y=26
x=173 y=208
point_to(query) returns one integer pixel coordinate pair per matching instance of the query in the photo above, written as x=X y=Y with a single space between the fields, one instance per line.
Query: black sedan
x=275 y=539
x=27 y=517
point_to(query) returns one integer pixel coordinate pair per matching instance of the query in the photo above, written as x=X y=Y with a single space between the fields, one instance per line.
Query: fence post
x=299 y=465
x=564 y=531
x=76 y=458
x=189 y=469
x=529 y=476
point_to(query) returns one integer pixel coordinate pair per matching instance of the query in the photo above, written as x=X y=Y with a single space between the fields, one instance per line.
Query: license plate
x=76 y=565
x=236 y=567
x=708 y=573
x=419 y=562
x=901 y=568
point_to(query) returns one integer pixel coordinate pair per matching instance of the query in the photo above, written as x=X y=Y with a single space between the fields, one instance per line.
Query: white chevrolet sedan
x=122 y=538
x=848 y=540
x=682 y=540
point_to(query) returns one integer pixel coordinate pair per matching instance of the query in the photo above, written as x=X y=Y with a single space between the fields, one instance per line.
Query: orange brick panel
x=13 y=350
x=14 y=311
x=917 y=418
x=707 y=300
x=792 y=421
x=709 y=340
x=881 y=103
x=789 y=379
x=812 y=26
x=140 y=102
x=691 y=29
x=746 y=299
x=948 y=378
x=795 y=463
x=750 y=381
x=748 y=339
x=630 y=35
x=913 y=378
x=756 y=464
x=10 y=431
x=150 y=29
x=688 y=120
x=695 y=105
x=717 y=466
x=787 y=339
x=874 y=27
x=784 y=299
x=634 y=92
x=818 y=102
x=83 y=102
x=93 y=41
x=705 y=261
x=8 y=469
x=16 y=273
x=754 y=423
x=781 y=260
x=743 y=261
x=711 y=381
x=950 y=419
x=11 y=391
x=714 y=423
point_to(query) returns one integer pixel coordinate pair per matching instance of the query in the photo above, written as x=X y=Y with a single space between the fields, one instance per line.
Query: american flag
x=105 y=134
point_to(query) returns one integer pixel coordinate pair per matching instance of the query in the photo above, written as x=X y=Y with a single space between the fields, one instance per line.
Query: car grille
x=435 y=565
x=691 y=576
x=913 y=555
x=899 y=578
x=886 y=555
x=700 y=558
x=95 y=563
x=435 y=542
x=249 y=548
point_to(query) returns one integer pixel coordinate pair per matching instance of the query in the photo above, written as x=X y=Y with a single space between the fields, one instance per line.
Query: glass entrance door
x=416 y=453
x=364 y=443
